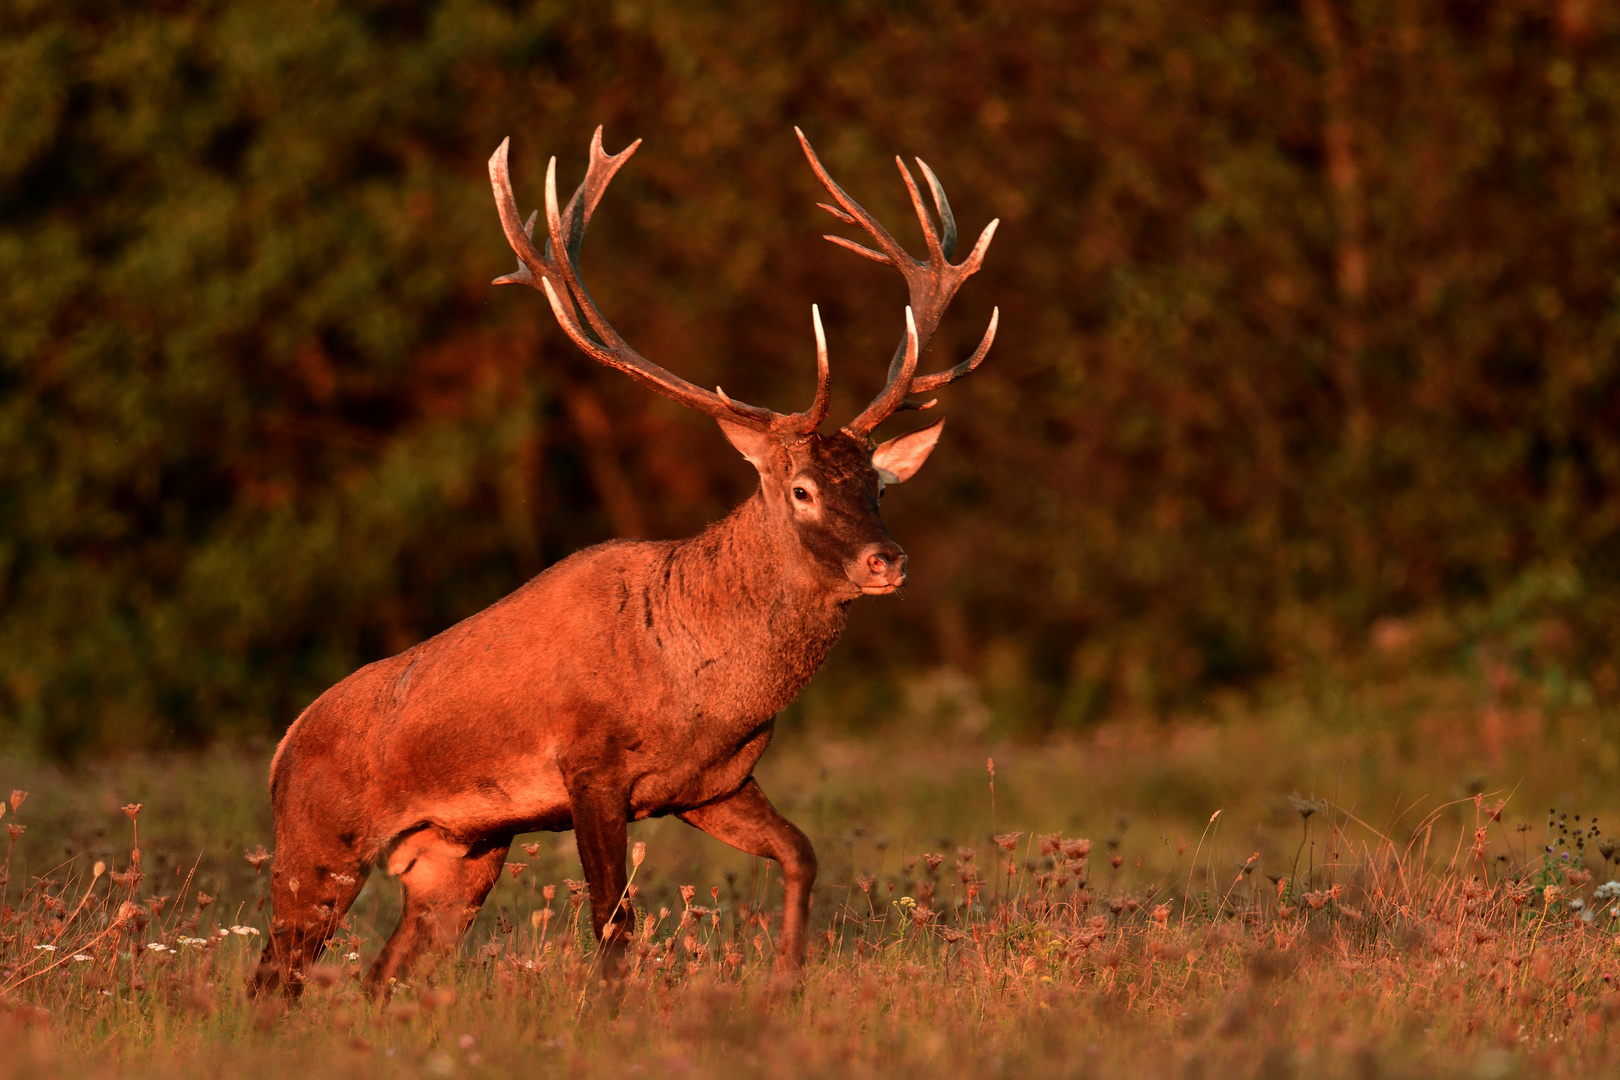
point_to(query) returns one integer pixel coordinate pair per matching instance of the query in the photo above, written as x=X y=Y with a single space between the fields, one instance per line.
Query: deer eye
x=801 y=494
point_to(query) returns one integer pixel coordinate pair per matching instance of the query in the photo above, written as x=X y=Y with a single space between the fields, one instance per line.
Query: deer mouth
x=881 y=590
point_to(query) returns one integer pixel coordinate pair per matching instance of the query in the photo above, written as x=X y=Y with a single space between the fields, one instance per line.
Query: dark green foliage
x=1309 y=318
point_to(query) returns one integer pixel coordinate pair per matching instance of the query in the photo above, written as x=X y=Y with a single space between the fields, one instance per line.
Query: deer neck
x=756 y=596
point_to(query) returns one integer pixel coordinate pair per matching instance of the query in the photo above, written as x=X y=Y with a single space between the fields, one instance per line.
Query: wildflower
x=549 y=892
x=864 y=882
x=17 y=798
x=1007 y=841
x=1306 y=807
x=131 y=810
x=516 y=868
x=343 y=879
x=80 y=958
x=687 y=892
x=257 y=858
x=531 y=850
x=933 y=861
x=1609 y=890
x=244 y=931
x=192 y=940
x=638 y=852
x=158 y=946
x=1161 y=914
x=16 y=831
x=203 y=900
x=44 y=948
x=351 y=956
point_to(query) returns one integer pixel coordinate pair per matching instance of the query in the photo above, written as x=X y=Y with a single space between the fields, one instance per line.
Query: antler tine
x=931 y=284
x=810 y=420
x=930 y=234
x=555 y=271
x=947 y=220
x=924 y=383
x=518 y=235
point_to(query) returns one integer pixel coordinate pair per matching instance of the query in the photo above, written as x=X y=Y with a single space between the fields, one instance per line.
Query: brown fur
x=631 y=680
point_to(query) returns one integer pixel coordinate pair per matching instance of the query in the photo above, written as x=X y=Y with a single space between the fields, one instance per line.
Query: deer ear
x=900 y=458
x=751 y=443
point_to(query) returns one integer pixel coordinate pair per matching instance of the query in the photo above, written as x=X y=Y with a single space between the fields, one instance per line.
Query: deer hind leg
x=748 y=822
x=313 y=881
x=445 y=884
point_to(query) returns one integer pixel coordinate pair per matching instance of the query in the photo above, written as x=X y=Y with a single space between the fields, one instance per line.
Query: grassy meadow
x=1283 y=887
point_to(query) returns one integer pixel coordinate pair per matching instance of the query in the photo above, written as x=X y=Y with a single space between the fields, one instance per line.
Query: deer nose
x=881 y=566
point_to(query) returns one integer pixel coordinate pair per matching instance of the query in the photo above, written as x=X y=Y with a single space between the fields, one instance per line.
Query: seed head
x=17 y=798
x=549 y=892
x=687 y=892
x=638 y=852
x=257 y=858
x=1007 y=841
x=130 y=810
x=1304 y=807
x=531 y=850
x=16 y=831
x=516 y=868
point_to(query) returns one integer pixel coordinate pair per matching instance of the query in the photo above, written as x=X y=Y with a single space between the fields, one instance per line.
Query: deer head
x=821 y=492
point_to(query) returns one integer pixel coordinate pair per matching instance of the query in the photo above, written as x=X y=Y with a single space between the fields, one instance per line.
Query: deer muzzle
x=878 y=569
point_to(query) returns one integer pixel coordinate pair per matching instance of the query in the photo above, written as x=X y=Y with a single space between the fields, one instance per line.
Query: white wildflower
x=351 y=956
x=244 y=931
x=158 y=946
x=80 y=958
x=44 y=948
x=1609 y=890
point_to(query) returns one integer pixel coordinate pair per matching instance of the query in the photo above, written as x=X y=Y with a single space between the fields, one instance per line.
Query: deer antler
x=931 y=284
x=557 y=271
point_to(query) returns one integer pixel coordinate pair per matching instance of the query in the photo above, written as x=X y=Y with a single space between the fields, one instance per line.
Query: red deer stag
x=631 y=680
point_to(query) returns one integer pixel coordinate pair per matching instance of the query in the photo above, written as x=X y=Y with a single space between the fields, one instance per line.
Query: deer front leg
x=601 y=830
x=748 y=822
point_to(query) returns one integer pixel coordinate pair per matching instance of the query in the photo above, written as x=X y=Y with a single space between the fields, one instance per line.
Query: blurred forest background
x=1310 y=349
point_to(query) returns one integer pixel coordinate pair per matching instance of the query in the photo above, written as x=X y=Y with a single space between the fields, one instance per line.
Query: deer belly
x=521 y=800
